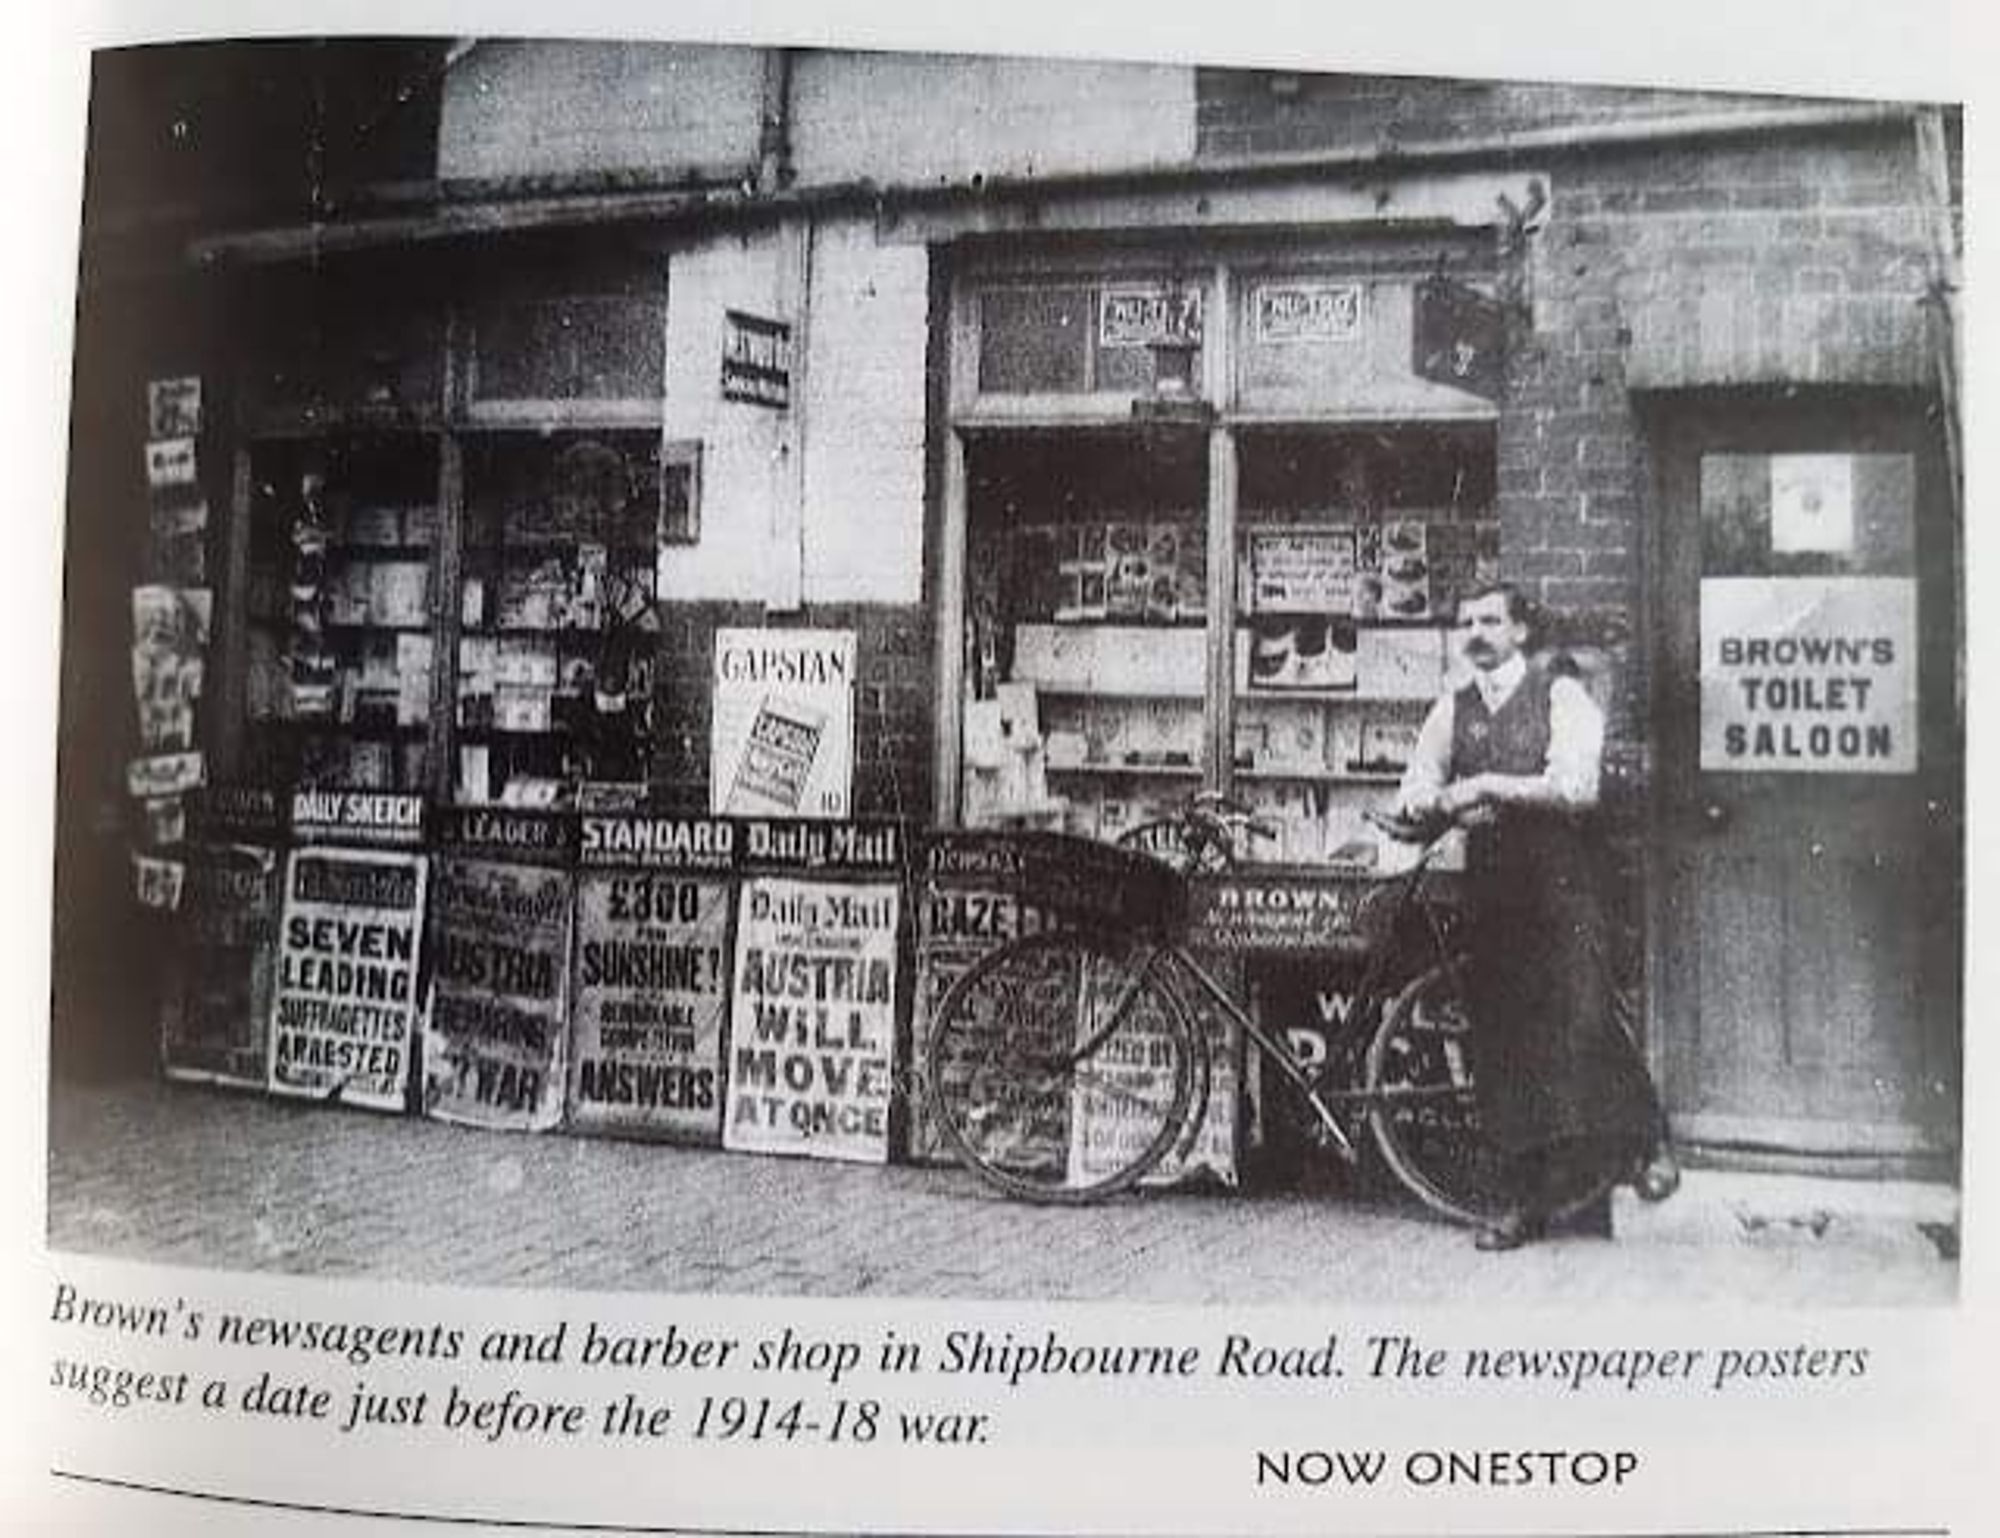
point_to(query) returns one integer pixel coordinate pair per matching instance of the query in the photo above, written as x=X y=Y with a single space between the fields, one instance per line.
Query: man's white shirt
x=1576 y=737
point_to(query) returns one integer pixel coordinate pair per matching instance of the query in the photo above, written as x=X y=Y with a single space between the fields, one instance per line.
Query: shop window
x=1360 y=507
x=598 y=348
x=451 y=591
x=340 y=651
x=338 y=354
x=1353 y=548
x=1087 y=576
x=557 y=629
x=1080 y=338
x=1808 y=515
x=1332 y=345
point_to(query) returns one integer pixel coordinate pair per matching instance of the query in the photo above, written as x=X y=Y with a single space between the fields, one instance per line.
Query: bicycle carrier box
x=1082 y=881
x=1277 y=911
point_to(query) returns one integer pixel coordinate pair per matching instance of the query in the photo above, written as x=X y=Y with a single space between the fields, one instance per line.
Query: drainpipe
x=1934 y=183
x=774 y=125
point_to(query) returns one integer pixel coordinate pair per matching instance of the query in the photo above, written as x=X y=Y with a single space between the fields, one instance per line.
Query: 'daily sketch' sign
x=1809 y=675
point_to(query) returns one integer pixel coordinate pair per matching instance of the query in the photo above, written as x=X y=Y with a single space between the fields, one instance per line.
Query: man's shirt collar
x=1497 y=686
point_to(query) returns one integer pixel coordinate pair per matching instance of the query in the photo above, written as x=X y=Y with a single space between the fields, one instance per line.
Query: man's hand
x=1421 y=806
x=1462 y=796
x=1469 y=802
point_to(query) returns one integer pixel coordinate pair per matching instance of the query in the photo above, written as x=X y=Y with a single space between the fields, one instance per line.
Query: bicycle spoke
x=1421 y=1104
x=1059 y=1074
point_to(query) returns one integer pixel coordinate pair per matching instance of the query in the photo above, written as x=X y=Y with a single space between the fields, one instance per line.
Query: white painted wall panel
x=740 y=443
x=901 y=118
x=516 y=109
x=864 y=513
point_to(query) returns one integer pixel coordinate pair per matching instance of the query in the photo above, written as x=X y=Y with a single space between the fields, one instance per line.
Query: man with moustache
x=1514 y=757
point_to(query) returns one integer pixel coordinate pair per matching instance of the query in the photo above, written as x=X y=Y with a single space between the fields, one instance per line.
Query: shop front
x=1211 y=505
x=655 y=583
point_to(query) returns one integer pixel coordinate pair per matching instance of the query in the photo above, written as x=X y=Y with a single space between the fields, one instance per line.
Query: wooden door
x=1809 y=896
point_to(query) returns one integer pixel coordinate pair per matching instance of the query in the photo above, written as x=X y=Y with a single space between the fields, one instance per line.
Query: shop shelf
x=1146 y=771
x=1320 y=773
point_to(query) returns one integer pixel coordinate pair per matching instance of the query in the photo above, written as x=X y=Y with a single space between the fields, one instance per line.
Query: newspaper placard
x=1133 y=1071
x=218 y=993
x=964 y=915
x=344 y=1005
x=494 y=1045
x=812 y=1038
x=357 y=817
x=1809 y=675
x=783 y=736
x=651 y=1004
x=666 y=843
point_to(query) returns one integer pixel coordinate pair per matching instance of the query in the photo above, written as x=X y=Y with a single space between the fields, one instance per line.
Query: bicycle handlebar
x=1409 y=830
x=1215 y=805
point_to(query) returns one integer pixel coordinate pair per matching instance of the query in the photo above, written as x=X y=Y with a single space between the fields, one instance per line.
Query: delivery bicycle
x=1072 y=1064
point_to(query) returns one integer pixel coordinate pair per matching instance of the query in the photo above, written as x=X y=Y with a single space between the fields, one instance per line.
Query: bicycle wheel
x=1186 y=845
x=1063 y=1067
x=1420 y=1107
x=1422 y=1110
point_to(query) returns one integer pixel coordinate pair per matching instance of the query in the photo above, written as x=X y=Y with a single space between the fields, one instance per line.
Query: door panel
x=1807 y=928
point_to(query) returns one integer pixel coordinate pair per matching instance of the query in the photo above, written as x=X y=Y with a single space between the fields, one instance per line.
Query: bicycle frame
x=1381 y=977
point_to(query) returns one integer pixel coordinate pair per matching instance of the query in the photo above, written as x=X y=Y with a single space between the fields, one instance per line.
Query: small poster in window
x=1812 y=503
x=1406 y=571
x=1302 y=571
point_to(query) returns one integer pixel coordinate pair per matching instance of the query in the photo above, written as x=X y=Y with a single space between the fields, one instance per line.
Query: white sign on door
x=1809 y=675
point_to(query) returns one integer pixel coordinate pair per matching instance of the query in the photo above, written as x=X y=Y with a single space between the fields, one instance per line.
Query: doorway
x=1808 y=893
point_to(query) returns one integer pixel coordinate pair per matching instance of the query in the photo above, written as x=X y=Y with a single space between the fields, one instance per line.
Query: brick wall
x=925 y=119
x=1809 y=256
x=892 y=706
x=1262 y=112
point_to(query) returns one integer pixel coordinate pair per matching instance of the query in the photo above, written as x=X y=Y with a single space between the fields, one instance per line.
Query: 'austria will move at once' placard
x=812 y=1036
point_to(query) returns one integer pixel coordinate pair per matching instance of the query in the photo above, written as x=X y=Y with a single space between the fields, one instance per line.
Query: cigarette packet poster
x=783 y=734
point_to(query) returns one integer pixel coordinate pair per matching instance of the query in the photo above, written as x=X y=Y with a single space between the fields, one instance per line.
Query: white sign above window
x=1142 y=315
x=1307 y=312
